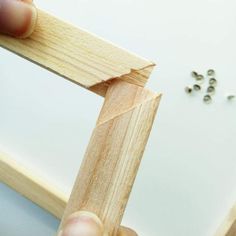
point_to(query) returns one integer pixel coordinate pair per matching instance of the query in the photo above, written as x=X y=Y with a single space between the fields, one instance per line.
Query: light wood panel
x=32 y=187
x=42 y=192
x=114 y=153
x=78 y=56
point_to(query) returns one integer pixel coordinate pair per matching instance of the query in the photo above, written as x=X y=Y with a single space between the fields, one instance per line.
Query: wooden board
x=78 y=56
x=32 y=187
x=23 y=181
x=114 y=154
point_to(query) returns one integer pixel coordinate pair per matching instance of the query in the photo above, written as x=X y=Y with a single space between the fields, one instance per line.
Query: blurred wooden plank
x=228 y=227
x=32 y=187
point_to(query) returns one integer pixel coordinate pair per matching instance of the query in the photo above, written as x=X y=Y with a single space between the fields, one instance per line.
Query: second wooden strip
x=114 y=153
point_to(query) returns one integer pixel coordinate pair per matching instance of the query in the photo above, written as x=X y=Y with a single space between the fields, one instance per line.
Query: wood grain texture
x=114 y=153
x=33 y=188
x=228 y=227
x=48 y=193
x=78 y=56
x=23 y=181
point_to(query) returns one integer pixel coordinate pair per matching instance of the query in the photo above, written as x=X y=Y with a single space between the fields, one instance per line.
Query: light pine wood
x=228 y=227
x=33 y=188
x=42 y=190
x=78 y=55
x=24 y=181
x=114 y=153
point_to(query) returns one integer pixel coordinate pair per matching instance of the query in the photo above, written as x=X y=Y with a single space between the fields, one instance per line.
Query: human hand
x=87 y=224
x=17 y=17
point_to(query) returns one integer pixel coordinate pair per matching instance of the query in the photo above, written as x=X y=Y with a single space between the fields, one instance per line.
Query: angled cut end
x=134 y=96
x=137 y=77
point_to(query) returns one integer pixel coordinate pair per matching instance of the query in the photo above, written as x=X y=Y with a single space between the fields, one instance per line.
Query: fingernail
x=17 y=18
x=82 y=224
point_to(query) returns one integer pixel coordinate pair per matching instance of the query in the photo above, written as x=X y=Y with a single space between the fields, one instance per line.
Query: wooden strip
x=114 y=153
x=228 y=228
x=78 y=55
x=31 y=187
x=41 y=190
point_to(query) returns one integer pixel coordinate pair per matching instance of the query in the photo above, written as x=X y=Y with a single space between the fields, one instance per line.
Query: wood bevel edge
x=228 y=227
x=32 y=187
x=126 y=65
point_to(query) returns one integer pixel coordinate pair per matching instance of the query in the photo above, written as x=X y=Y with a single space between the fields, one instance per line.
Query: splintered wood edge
x=228 y=227
x=32 y=187
x=78 y=56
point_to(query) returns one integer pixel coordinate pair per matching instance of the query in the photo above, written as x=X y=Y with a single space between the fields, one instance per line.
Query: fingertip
x=82 y=223
x=17 y=18
x=32 y=22
x=27 y=1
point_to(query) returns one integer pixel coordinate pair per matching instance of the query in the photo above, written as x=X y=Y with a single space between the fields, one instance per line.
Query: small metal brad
x=196 y=87
x=211 y=90
x=231 y=97
x=194 y=74
x=207 y=99
x=200 y=78
x=212 y=82
x=211 y=72
x=188 y=89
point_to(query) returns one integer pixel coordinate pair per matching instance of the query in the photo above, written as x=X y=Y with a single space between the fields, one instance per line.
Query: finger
x=17 y=18
x=82 y=224
x=124 y=231
x=28 y=1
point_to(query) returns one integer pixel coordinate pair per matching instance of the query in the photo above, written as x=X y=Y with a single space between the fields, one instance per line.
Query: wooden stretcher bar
x=114 y=153
x=32 y=187
x=78 y=56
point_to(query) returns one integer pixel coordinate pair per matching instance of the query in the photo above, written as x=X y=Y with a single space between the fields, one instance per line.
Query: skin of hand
x=84 y=223
x=17 y=17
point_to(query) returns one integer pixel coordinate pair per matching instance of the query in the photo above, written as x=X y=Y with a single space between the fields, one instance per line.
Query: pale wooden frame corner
x=117 y=143
x=118 y=75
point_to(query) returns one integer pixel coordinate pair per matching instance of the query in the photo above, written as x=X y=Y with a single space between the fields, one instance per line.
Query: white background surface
x=186 y=183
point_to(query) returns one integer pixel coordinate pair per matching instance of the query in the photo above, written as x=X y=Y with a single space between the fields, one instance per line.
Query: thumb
x=82 y=223
x=17 y=17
